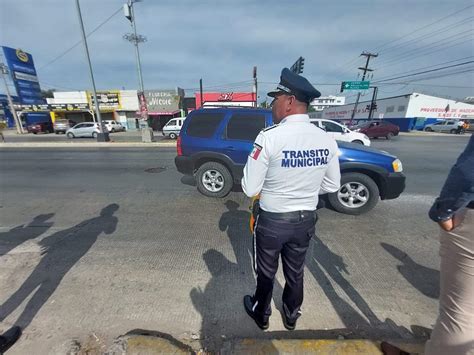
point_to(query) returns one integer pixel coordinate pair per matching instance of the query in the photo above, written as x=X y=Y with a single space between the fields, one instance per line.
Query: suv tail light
x=178 y=146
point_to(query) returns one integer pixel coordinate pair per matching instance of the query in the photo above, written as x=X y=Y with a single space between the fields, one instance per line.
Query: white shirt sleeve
x=256 y=168
x=332 y=178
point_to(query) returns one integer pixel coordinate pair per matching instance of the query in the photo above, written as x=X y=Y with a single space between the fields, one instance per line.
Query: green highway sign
x=355 y=85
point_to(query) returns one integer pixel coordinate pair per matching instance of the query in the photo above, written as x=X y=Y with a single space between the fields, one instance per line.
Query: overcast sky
x=220 y=41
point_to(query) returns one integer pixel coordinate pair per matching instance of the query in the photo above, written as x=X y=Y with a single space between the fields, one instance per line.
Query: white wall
x=68 y=97
x=129 y=100
x=435 y=107
x=395 y=107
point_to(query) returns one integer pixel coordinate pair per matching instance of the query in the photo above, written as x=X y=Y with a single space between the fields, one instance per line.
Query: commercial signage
x=164 y=102
x=108 y=100
x=52 y=107
x=23 y=74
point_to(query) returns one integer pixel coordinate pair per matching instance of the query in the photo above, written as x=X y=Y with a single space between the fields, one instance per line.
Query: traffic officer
x=291 y=163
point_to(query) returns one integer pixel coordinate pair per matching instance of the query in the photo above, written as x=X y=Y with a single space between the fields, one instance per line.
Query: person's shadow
x=214 y=301
x=60 y=251
x=236 y=223
x=424 y=279
x=323 y=261
x=20 y=234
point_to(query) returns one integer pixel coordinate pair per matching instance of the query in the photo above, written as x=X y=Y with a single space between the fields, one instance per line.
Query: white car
x=84 y=129
x=173 y=127
x=113 y=126
x=443 y=126
x=340 y=132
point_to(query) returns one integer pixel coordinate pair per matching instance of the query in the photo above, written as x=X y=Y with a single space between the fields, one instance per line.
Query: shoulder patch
x=269 y=128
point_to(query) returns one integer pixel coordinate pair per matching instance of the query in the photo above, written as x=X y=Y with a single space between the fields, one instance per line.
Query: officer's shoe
x=9 y=338
x=248 y=305
x=289 y=323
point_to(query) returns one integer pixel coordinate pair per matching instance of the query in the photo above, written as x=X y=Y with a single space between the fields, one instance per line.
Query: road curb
x=160 y=343
x=86 y=145
x=431 y=134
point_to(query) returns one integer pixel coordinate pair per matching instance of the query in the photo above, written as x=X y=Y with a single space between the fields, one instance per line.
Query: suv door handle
x=230 y=148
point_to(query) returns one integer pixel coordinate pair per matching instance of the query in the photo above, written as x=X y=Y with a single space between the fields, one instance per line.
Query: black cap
x=294 y=84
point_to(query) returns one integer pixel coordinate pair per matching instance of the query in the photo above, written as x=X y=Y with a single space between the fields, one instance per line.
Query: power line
x=79 y=42
x=435 y=44
x=423 y=27
x=431 y=34
x=431 y=66
x=410 y=57
x=426 y=71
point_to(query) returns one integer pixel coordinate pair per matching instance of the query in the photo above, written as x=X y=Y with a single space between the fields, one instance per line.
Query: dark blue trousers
x=289 y=238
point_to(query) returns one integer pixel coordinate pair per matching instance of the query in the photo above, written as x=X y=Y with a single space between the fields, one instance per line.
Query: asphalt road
x=93 y=244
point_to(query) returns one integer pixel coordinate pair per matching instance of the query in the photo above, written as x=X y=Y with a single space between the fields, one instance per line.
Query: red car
x=375 y=129
x=38 y=127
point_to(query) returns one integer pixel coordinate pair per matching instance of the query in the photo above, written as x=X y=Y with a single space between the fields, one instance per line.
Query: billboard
x=163 y=102
x=23 y=73
x=108 y=100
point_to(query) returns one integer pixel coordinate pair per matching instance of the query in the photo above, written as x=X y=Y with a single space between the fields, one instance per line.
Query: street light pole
x=19 y=127
x=102 y=136
x=135 y=39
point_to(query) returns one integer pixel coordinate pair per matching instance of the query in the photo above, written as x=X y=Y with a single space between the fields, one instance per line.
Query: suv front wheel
x=214 y=180
x=358 y=194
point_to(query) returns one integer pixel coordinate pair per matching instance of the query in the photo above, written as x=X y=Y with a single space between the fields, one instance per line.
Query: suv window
x=245 y=127
x=171 y=123
x=203 y=125
x=332 y=127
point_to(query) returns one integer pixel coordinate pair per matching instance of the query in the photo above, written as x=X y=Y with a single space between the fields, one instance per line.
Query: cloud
x=221 y=41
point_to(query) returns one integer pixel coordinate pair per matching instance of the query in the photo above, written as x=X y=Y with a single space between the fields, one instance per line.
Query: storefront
x=163 y=105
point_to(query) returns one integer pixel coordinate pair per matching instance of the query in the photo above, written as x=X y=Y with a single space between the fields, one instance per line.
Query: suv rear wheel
x=214 y=180
x=358 y=194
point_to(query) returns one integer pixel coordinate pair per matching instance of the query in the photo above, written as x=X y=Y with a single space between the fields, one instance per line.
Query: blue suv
x=214 y=144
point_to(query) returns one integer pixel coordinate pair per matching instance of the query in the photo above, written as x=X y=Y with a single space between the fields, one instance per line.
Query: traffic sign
x=355 y=85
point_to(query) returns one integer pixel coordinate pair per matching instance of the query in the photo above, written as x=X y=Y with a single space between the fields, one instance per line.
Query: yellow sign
x=22 y=55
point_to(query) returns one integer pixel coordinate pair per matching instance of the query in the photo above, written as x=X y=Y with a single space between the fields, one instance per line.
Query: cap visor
x=275 y=93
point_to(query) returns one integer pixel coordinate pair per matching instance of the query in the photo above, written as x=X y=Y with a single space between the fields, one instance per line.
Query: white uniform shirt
x=291 y=164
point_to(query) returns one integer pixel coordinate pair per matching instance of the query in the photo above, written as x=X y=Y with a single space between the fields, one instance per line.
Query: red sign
x=209 y=97
x=228 y=96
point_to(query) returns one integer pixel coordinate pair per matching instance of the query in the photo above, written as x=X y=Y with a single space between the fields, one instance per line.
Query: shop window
x=203 y=125
x=245 y=127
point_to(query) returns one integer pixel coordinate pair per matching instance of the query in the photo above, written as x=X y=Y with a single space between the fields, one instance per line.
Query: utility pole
x=255 y=85
x=19 y=127
x=102 y=136
x=200 y=92
x=135 y=39
x=372 y=103
x=365 y=70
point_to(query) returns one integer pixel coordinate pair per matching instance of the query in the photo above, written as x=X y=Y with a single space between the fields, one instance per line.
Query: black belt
x=289 y=216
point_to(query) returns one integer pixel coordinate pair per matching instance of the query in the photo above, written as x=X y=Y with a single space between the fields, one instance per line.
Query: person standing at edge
x=454 y=212
x=291 y=163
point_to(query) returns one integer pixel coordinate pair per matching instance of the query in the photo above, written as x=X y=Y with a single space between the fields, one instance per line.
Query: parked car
x=376 y=129
x=40 y=127
x=173 y=127
x=214 y=144
x=84 y=129
x=450 y=126
x=113 y=126
x=340 y=132
x=62 y=125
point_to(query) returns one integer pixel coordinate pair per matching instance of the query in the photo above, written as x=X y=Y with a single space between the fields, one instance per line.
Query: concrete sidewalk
x=432 y=134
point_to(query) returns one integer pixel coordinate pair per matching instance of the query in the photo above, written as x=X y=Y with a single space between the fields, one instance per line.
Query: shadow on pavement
x=60 y=251
x=328 y=268
x=424 y=279
x=20 y=234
